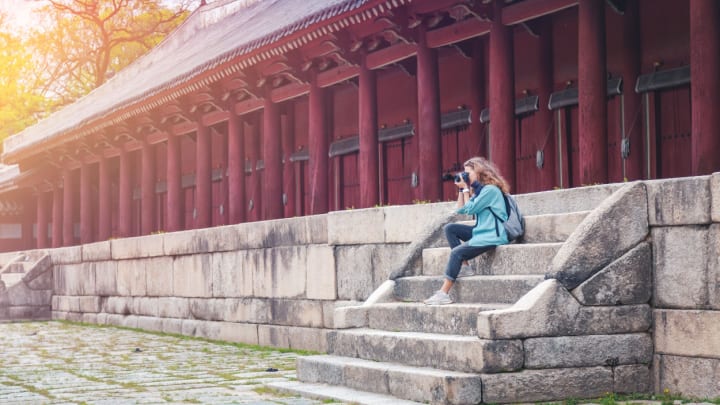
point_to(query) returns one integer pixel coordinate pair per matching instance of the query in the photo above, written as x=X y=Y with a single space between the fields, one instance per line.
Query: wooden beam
x=214 y=118
x=530 y=9
x=337 y=75
x=454 y=33
x=247 y=106
x=390 y=55
x=288 y=92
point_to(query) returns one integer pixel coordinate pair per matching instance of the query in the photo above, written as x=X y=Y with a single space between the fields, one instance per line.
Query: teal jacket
x=488 y=231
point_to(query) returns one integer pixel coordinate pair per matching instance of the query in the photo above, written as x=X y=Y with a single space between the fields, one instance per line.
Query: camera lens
x=457 y=178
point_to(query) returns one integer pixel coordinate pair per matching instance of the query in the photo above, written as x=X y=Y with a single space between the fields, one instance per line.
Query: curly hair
x=487 y=173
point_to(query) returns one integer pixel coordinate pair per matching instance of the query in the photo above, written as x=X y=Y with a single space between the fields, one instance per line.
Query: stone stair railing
x=26 y=284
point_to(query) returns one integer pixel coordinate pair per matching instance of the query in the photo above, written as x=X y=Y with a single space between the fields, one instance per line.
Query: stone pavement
x=62 y=363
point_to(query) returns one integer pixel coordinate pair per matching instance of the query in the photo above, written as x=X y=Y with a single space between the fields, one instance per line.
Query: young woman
x=482 y=197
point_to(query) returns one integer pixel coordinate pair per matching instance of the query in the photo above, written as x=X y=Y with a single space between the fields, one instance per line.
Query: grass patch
x=263 y=390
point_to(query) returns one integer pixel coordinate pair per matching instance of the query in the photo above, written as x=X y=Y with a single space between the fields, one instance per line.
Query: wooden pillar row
x=429 y=142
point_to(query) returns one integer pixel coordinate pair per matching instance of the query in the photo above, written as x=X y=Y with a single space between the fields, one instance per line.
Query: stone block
x=547 y=385
x=253 y=233
x=356 y=227
x=680 y=258
x=117 y=305
x=230 y=278
x=691 y=376
x=246 y=310
x=172 y=325
x=192 y=276
x=56 y=315
x=632 y=378
x=90 y=318
x=131 y=278
x=715 y=197
x=41 y=282
x=311 y=339
x=106 y=278
x=137 y=247
x=588 y=351
x=20 y=294
x=70 y=316
x=145 y=306
x=66 y=255
x=627 y=280
x=129 y=321
x=180 y=243
x=285 y=232
x=321 y=275
x=274 y=336
x=679 y=201
x=297 y=313
x=550 y=310
x=115 y=319
x=173 y=307
x=408 y=223
x=159 y=276
x=436 y=385
x=95 y=252
x=616 y=226
x=319 y=369
x=89 y=304
x=37 y=269
x=713 y=274
x=317 y=229
x=354 y=266
x=207 y=309
x=100 y=318
x=549 y=228
x=149 y=323
x=687 y=333
x=280 y=272
x=74 y=279
x=384 y=259
x=565 y=200
x=238 y=332
x=329 y=311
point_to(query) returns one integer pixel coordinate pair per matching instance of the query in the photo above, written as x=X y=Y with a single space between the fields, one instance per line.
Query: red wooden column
x=42 y=221
x=430 y=145
x=174 y=213
x=57 y=222
x=477 y=95
x=68 y=208
x=705 y=86
x=318 y=150
x=632 y=101
x=147 y=189
x=501 y=93
x=547 y=177
x=104 y=201
x=367 y=121
x=86 y=205
x=125 y=203
x=255 y=183
x=236 y=170
x=272 y=158
x=203 y=177
x=592 y=92
x=288 y=145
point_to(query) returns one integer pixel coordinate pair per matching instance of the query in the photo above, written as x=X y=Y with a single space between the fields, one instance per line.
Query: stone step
x=513 y=259
x=505 y=289
x=405 y=382
x=454 y=319
x=565 y=200
x=452 y=352
x=549 y=228
x=11 y=279
x=337 y=393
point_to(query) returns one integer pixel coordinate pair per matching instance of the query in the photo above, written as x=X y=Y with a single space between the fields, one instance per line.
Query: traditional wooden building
x=257 y=110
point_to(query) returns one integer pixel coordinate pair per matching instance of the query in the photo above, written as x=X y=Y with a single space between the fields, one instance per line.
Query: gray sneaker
x=439 y=298
x=466 y=271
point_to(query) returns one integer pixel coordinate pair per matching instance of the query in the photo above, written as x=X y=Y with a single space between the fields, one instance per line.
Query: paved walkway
x=60 y=363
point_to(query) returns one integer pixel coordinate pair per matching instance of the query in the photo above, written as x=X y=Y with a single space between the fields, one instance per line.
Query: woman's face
x=471 y=174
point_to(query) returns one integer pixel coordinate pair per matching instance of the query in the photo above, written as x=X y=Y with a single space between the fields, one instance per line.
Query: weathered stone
x=94 y=252
x=383 y=259
x=191 y=327
x=180 y=243
x=117 y=305
x=285 y=232
x=320 y=369
x=317 y=229
x=159 y=276
x=230 y=278
x=145 y=306
x=106 y=278
x=588 y=351
x=692 y=376
x=297 y=312
x=274 y=336
x=680 y=257
x=173 y=307
x=74 y=279
x=329 y=308
x=114 y=319
x=633 y=378
x=680 y=201
x=100 y=318
x=89 y=304
x=354 y=272
x=713 y=274
x=138 y=247
x=172 y=325
x=715 y=197
x=66 y=255
x=129 y=321
x=406 y=223
x=207 y=309
x=565 y=200
x=89 y=318
x=311 y=339
x=549 y=228
x=20 y=295
x=627 y=280
x=41 y=282
x=550 y=310
x=321 y=275
x=617 y=225
x=687 y=333
x=192 y=276
x=149 y=323
x=39 y=268
x=352 y=227
x=281 y=273
x=238 y=333
x=252 y=310
x=547 y=385
x=131 y=279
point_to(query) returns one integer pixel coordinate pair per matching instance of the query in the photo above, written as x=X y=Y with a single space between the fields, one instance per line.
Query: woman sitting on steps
x=487 y=187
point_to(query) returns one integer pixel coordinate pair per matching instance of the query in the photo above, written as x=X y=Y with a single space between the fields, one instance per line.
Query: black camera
x=457 y=177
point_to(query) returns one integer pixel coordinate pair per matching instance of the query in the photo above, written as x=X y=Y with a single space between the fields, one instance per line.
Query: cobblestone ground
x=61 y=363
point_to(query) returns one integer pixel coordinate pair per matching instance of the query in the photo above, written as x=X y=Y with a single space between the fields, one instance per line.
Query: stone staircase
x=394 y=349
x=26 y=287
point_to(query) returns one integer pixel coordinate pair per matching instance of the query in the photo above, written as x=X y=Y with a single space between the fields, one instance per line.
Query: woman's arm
x=463 y=197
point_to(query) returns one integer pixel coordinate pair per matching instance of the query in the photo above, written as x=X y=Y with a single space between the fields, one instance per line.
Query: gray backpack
x=515 y=224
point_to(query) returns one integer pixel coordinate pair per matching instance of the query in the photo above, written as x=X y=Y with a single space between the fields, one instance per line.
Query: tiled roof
x=212 y=35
